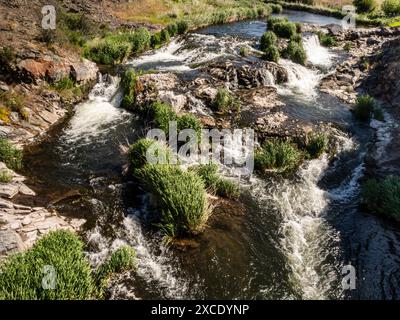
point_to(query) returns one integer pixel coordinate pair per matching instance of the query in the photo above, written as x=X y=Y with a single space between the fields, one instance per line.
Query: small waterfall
x=99 y=114
x=302 y=81
x=307 y=240
x=317 y=54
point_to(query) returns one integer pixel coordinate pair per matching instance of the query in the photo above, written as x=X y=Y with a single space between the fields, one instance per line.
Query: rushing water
x=292 y=237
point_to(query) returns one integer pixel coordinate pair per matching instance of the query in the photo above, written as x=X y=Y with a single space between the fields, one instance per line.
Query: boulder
x=84 y=72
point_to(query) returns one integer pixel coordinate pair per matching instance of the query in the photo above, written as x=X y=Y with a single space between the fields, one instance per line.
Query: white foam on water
x=98 y=115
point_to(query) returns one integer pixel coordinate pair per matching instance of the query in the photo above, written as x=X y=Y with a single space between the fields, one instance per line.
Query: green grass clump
x=182 y=27
x=10 y=155
x=276 y=8
x=273 y=20
x=214 y=183
x=295 y=52
x=189 y=121
x=391 y=7
x=279 y=155
x=365 y=108
x=138 y=152
x=382 y=196
x=128 y=83
x=182 y=198
x=297 y=38
x=271 y=53
x=267 y=39
x=64 y=84
x=21 y=275
x=364 y=6
x=121 y=260
x=109 y=51
x=285 y=29
x=316 y=145
x=326 y=40
x=161 y=115
x=5 y=177
x=165 y=36
x=224 y=102
x=172 y=29
x=140 y=41
x=244 y=51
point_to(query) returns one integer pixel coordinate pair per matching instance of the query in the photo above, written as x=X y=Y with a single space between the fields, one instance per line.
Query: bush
x=295 y=52
x=5 y=177
x=299 y=27
x=271 y=53
x=276 y=8
x=285 y=29
x=182 y=26
x=21 y=274
x=297 y=38
x=155 y=41
x=277 y=155
x=364 y=6
x=273 y=20
x=182 y=198
x=10 y=155
x=383 y=196
x=172 y=29
x=121 y=260
x=365 y=106
x=326 y=40
x=316 y=145
x=224 y=101
x=4 y=115
x=391 y=7
x=138 y=152
x=267 y=39
x=110 y=51
x=214 y=183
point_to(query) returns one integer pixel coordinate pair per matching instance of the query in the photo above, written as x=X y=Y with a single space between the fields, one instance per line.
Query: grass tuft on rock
x=277 y=155
x=382 y=196
x=366 y=108
x=138 y=152
x=10 y=155
x=182 y=198
x=225 y=102
x=316 y=145
x=295 y=52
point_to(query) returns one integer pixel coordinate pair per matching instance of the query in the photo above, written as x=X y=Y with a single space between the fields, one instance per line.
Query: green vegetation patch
x=382 y=196
x=225 y=102
x=367 y=108
x=316 y=145
x=10 y=155
x=295 y=52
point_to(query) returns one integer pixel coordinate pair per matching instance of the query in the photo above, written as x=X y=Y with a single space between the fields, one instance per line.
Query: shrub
x=7 y=56
x=276 y=8
x=128 y=83
x=12 y=100
x=224 y=101
x=182 y=198
x=121 y=260
x=365 y=106
x=267 y=39
x=138 y=152
x=295 y=52
x=109 y=51
x=391 y=7
x=214 y=183
x=271 y=53
x=382 y=196
x=364 y=6
x=277 y=155
x=4 y=115
x=161 y=114
x=326 y=40
x=316 y=145
x=164 y=35
x=297 y=38
x=21 y=274
x=5 y=177
x=10 y=155
x=172 y=29
x=274 y=20
x=182 y=26
x=284 y=29
x=140 y=40
x=299 y=27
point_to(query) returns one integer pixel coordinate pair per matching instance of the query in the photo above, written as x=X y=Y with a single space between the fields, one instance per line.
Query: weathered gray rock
x=85 y=71
x=10 y=242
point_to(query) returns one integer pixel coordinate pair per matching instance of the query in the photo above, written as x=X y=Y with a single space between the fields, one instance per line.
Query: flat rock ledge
x=21 y=226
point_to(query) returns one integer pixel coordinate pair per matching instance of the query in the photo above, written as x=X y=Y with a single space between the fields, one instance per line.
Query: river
x=295 y=235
